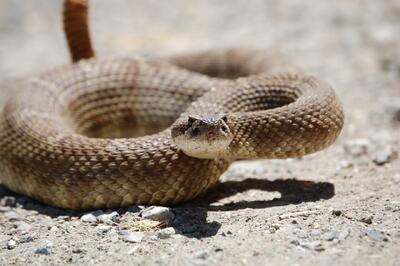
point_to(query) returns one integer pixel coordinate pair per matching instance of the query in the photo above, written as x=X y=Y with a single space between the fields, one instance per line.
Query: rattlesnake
x=85 y=135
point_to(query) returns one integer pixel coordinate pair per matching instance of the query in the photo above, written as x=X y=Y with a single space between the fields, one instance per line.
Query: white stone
x=156 y=213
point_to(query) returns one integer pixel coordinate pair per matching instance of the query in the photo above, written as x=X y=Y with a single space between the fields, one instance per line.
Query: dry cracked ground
x=340 y=206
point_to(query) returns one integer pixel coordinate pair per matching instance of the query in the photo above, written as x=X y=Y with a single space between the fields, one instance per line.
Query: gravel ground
x=338 y=207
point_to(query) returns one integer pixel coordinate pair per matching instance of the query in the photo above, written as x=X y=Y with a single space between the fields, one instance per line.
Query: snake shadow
x=191 y=218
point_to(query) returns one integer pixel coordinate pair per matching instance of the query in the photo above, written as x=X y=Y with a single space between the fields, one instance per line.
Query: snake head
x=206 y=136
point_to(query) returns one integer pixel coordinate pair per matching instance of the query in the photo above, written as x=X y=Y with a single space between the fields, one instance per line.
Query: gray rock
x=63 y=218
x=26 y=239
x=338 y=235
x=88 y=218
x=343 y=234
x=381 y=158
x=108 y=218
x=42 y=251
x=49 y=244
x=330 y=236
x=132 y=237
x=11 y=244
x=22 y=226
x=53 y=228
x=365 y=218
x=357 y=147
x=201 y=255
x=8 y=201
x=384 y=156
x=91 y=217
x=166 y=233
x=12 y=216
x=156 y=213
x=376 y=235
x=102 y=229
x=295 y=242
x=4 y=208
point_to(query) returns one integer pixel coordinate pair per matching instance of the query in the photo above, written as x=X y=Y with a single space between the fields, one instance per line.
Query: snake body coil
x=67 y=138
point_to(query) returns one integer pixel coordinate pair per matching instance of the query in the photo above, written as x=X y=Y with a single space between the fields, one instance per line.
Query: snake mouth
x=205 y=136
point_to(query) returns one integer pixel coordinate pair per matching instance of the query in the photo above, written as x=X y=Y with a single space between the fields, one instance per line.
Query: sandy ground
x=338 y=207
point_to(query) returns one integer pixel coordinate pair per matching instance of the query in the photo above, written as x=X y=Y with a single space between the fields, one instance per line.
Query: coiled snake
x=85 y=135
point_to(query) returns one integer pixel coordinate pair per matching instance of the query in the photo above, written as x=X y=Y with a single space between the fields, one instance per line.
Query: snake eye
x=225 y=129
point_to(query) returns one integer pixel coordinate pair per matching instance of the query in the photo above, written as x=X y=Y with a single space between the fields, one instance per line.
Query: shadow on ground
x=191 y=218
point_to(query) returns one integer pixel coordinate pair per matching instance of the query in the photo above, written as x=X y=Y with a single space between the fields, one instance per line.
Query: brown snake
x=67 y=138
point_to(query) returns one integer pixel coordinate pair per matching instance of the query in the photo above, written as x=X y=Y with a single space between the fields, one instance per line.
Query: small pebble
x=108 y=218
x=22 y=226
x=63 y=218
x=42 y=251
x=88 y=218
x=132 y=237
x=4 y=209
x=343 y=234
x=26 y=239
x=102 y=229
x=330 y=236
x=11 y=244
x=337 y=212
x=49 y=244
x=133 y=250
x=384 y=156
x=166 y=233
x=201 y=255
x=8 y=201
x=357 y=147
x=12 y=216
x=91 y=217
x=295 y=242
x=156 y=213
x=54 y=228
x=365 y=219
x=376 y=235
x=338 y=235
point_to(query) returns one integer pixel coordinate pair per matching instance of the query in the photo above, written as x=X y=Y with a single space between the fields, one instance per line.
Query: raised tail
x=76 y=28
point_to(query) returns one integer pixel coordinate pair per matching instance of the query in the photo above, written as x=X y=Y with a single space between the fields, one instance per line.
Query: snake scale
x=105 y=133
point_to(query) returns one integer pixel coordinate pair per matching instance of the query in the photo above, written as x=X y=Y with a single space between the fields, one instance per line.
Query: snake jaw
x=205 y=137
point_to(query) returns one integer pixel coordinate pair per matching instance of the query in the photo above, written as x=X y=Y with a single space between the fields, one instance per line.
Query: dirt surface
x=337 y=207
